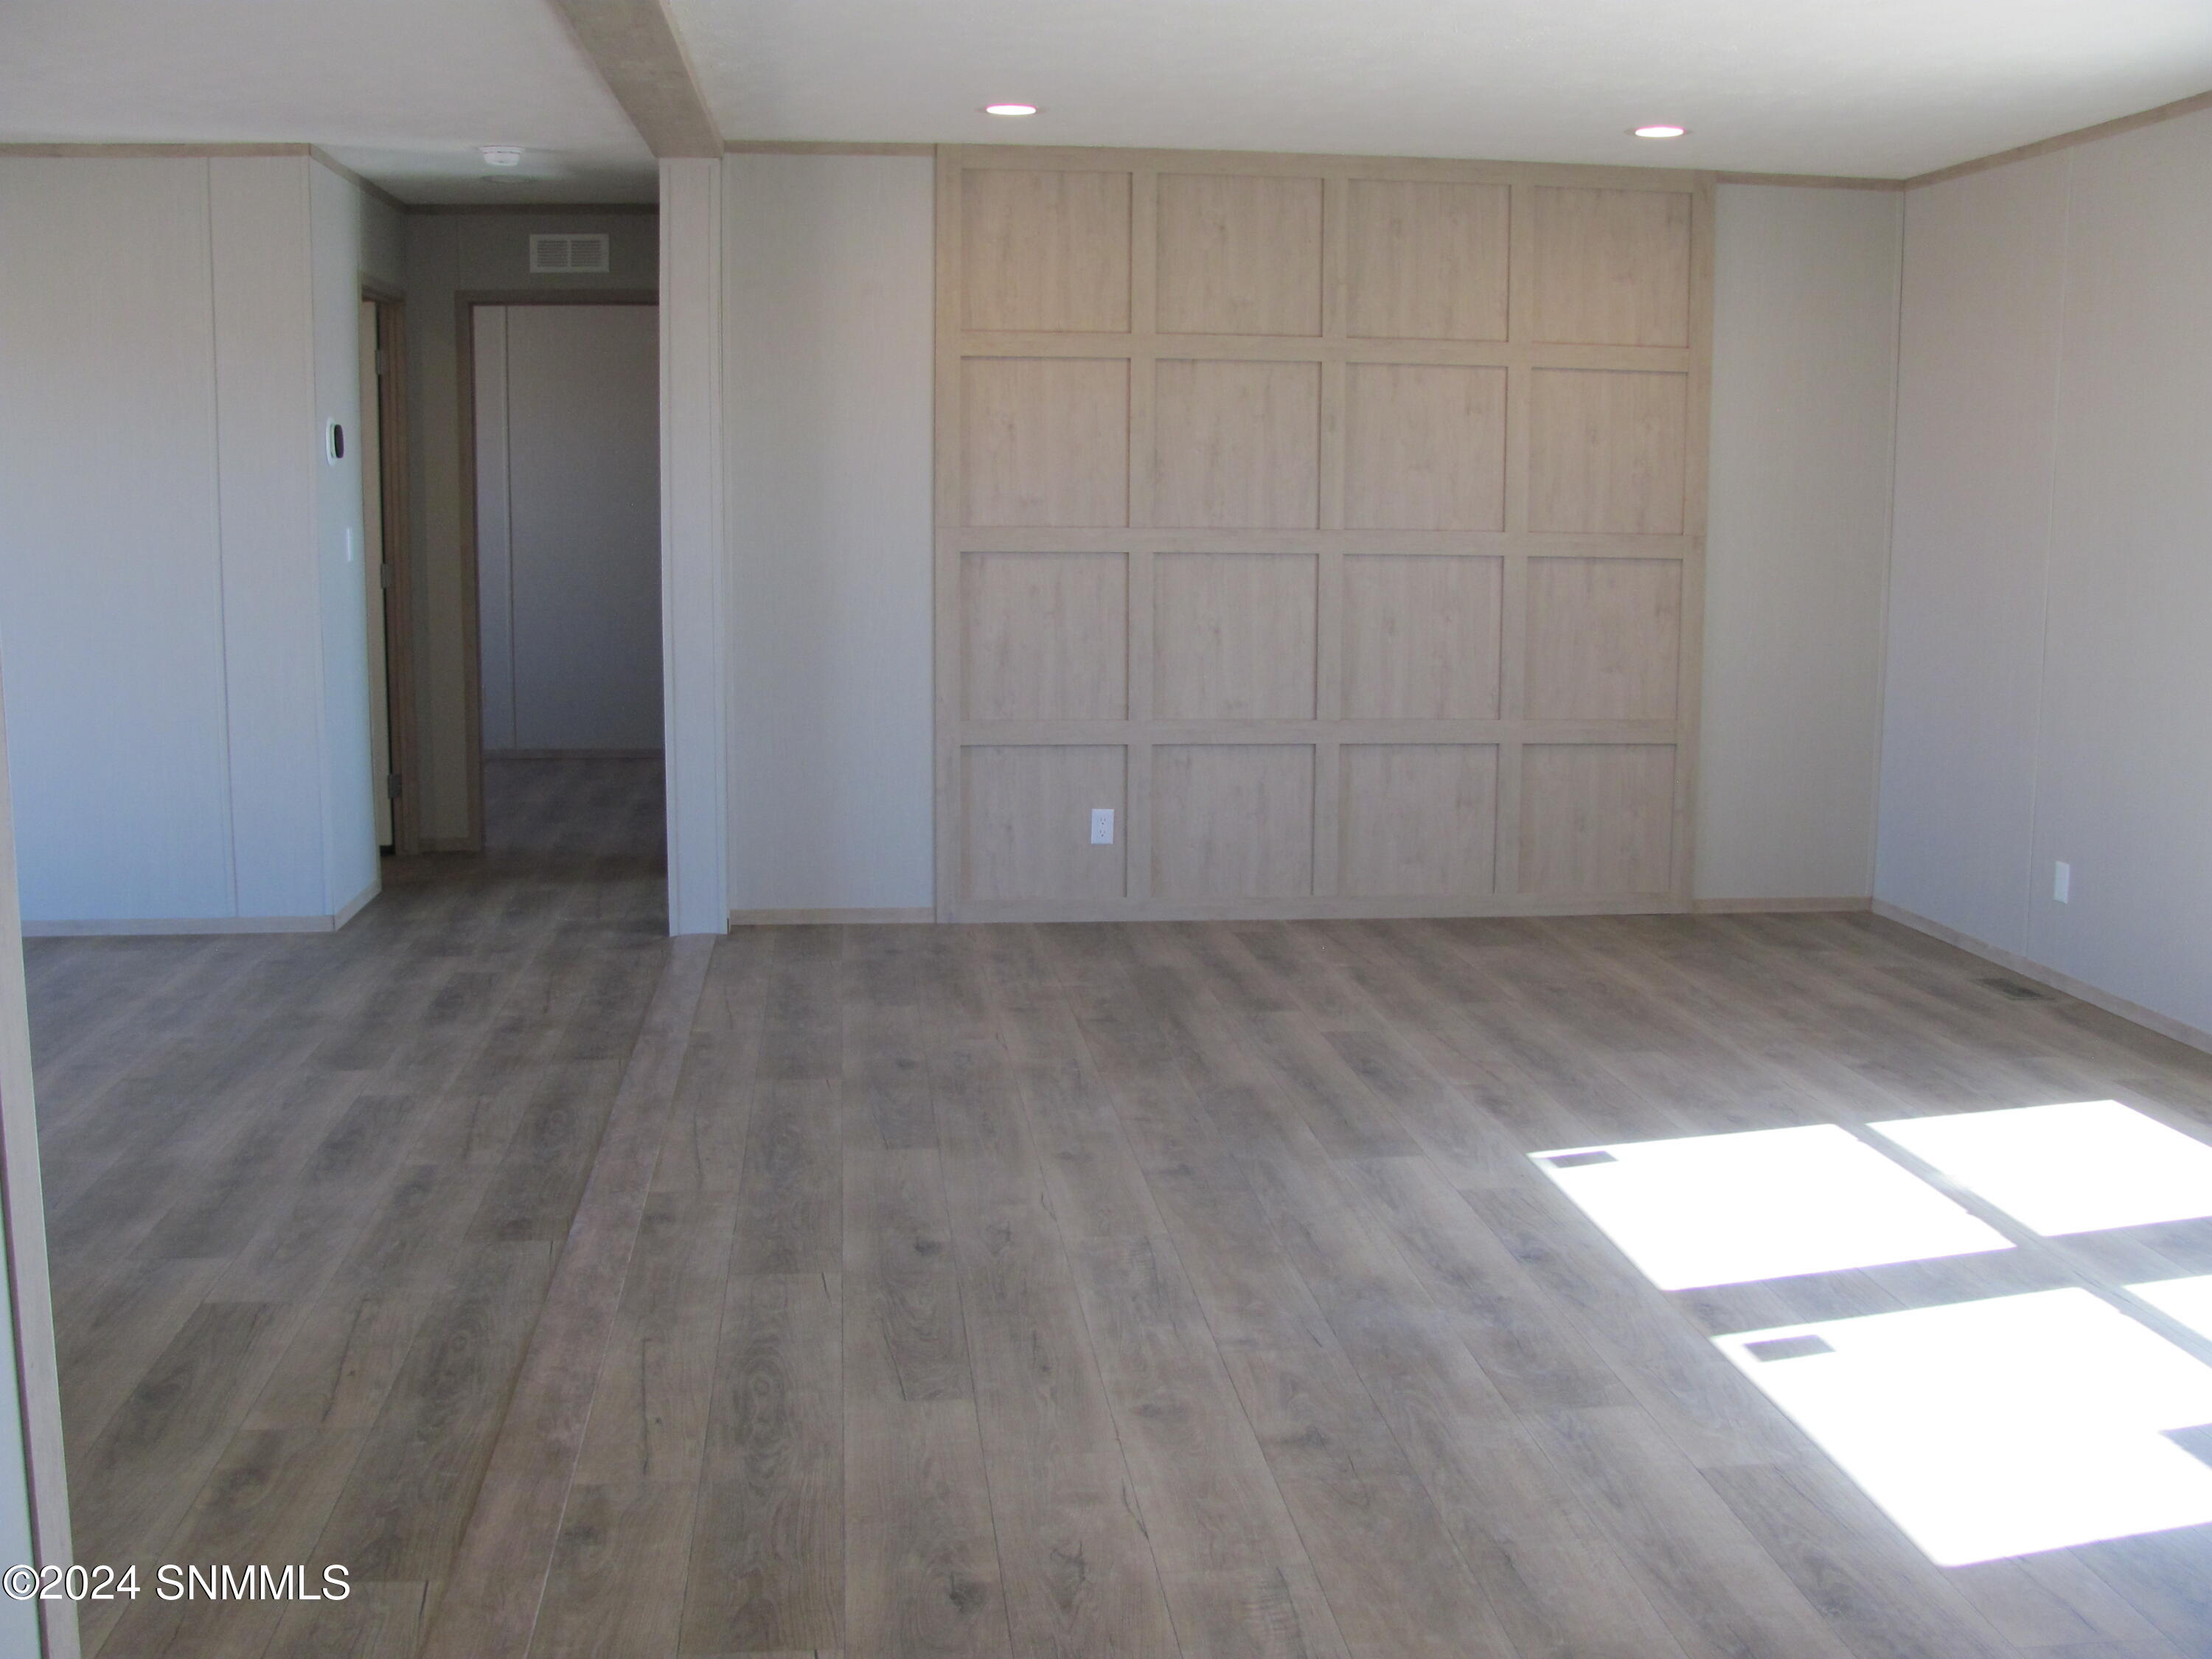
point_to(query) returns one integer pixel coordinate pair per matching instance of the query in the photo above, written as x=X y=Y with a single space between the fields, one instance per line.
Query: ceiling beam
x=637 y=52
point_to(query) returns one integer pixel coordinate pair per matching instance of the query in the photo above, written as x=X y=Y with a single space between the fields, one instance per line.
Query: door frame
x=398 y=553
x=464 y=364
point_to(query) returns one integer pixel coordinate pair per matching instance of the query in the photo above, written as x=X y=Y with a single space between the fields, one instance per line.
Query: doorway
x=562 y=444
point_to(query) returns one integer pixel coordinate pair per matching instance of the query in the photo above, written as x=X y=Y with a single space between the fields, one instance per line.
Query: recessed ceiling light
x=1010 y=109
x=501 y=155
x=1661 y=131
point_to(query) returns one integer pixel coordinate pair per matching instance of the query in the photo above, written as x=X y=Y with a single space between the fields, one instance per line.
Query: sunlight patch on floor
x=2074 y=1168
x=1766 y=1204
x=1998 y=1428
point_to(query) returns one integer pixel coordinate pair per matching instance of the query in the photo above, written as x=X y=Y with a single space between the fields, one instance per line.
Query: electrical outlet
x=2062 y=882
x=1102 y=826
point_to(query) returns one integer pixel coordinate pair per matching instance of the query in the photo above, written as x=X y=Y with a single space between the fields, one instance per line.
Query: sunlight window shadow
x=2075 y=1168
x=1765 y=1203
x=1998 y=1428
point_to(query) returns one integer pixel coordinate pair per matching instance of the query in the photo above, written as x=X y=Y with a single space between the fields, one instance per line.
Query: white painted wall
x=1983 y=273
x=1805 y=308
x=829 y=267
x=352 y=235
x=568 y=527
x=2049 y=676
x=448 y=254
x=111 y=594
x=190 y=747
x=695 y=634
x=268 y=444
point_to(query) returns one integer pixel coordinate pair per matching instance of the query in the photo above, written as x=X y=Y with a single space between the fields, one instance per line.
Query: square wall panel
x=1610 y=267
x=1424 y=448
x=1025 y=821
x=1607 y=451
x=1604 y=639
x=1045 y=440
x=1233 y=636
x=1597 y=819
x=1239 y=254
x=1232 y=820
x=1419 y=819
x=1420 y=637
x=1046 y=250
x=1238 y=445
x=1045 y=636
x=1426 y=261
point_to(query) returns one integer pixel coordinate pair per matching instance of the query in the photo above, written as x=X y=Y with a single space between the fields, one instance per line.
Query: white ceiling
x=1883 y=88
x=406 y=90
x=402 y=91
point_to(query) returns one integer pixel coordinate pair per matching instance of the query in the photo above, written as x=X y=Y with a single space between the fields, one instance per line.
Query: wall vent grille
x=568 y=255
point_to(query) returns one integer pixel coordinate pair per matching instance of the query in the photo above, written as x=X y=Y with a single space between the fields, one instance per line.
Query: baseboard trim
x=1338 y=907
x=491 y=755
x=448 y=844
x=157 y=927
x=354 y=906
x=1734 y=907
x=829 y=918
x=2165 y=1025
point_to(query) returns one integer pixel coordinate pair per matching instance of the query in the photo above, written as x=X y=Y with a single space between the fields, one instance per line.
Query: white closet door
x=583 y=520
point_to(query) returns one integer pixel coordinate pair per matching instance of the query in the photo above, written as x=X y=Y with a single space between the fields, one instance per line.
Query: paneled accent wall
x=1336 y=522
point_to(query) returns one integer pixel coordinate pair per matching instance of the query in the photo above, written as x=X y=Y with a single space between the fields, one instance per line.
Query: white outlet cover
x=1102 y=826
x=2062 y=882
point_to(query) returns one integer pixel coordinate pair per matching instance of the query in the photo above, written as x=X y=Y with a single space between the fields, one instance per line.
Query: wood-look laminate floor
x=1020 y=1291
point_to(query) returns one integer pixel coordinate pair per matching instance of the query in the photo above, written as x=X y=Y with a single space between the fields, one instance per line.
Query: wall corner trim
x=694 y=621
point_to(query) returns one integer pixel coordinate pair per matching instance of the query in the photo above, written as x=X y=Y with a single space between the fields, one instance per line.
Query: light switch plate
x=2062 y=882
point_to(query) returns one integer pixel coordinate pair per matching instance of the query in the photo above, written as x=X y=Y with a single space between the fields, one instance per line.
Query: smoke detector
x=501 y=155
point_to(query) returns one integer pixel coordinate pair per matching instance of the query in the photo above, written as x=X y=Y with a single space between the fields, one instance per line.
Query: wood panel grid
x=1336 y=522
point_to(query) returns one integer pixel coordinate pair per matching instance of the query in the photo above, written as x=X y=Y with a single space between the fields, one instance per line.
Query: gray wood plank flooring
x=1074 y=1291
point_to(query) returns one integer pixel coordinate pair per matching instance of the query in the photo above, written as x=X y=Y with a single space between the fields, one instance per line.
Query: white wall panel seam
x=1889 y=556
x=221 y=573
x=2039 y=728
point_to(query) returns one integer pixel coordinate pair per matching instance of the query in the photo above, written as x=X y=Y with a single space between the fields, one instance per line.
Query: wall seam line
x=1889 y=551
x=221 y=545
x=2027 y=931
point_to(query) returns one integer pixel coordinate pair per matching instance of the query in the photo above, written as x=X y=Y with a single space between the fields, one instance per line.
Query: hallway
x=305 y=1192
